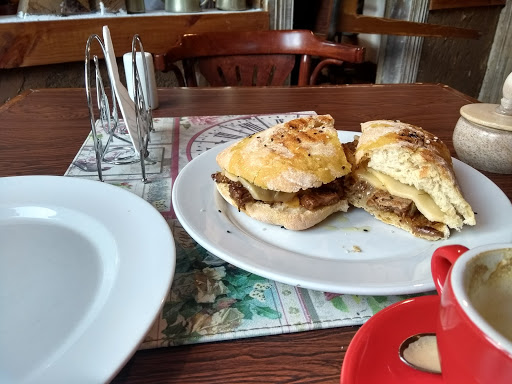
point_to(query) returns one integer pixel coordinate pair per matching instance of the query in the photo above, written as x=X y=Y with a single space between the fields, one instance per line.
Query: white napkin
x=126 y=104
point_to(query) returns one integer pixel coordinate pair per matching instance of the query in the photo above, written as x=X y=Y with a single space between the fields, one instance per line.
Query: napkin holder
x=120 y=147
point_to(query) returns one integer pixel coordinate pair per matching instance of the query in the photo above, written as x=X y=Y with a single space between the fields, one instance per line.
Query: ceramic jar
x=484 y=147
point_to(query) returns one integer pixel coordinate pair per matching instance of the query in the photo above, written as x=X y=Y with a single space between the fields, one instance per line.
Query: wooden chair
x=254 y=58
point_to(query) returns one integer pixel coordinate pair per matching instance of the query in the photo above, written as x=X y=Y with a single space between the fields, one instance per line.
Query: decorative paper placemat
x=211 y=300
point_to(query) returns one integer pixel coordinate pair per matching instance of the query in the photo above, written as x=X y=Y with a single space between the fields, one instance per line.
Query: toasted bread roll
x=287 y=175
x=403 y=175
x=300 y=154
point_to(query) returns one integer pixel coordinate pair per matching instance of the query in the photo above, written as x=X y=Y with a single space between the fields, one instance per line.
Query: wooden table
x=42 y=130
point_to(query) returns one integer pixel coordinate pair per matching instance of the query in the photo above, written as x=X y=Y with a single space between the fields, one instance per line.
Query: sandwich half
x=403 y=175
x=289 y=175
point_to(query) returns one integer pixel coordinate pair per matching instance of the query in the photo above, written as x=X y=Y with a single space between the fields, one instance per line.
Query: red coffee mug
x=471 y=350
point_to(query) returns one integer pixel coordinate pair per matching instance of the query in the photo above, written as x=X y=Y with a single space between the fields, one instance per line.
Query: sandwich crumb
x=356 y=248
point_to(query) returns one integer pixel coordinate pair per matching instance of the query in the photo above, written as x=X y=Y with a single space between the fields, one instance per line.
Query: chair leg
x=179 y=76
x=304 y=69
x=190 y=75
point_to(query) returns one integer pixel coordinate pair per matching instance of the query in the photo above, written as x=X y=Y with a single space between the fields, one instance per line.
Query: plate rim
x=105 y=361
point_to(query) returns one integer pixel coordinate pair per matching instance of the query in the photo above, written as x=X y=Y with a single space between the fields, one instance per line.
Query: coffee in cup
x=489 y=288
x=474 y=330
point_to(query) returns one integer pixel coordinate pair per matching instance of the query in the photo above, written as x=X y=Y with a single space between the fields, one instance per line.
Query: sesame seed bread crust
x=415 y=157
x=300 y=154
x=291 y=217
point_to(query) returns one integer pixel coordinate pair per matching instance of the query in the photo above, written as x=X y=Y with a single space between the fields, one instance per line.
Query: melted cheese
x=261 y=193
x=423 y=201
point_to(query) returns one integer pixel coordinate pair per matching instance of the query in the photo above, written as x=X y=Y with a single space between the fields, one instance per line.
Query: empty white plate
x=84 y=269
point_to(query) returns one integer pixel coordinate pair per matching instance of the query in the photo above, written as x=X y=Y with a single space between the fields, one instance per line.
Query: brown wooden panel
x=445 y=4
x=24 y=44
x=385 y=26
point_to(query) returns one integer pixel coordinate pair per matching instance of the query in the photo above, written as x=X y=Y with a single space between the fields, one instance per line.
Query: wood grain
x=42 y=130
x=385 y=26
x=446 y=4
x=306 y=357
x=28 y=43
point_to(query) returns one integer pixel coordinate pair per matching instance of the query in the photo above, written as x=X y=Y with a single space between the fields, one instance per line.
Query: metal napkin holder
x=109 y=117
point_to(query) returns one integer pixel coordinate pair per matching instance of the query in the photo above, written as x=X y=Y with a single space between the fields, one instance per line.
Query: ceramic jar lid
x=487 y=115
x=497 y=116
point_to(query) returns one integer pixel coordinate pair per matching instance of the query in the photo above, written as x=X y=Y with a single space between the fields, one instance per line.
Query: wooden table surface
x=42 y=130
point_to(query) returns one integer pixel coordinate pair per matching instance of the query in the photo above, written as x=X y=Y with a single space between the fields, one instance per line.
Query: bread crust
x=378 y=134
x=291 y=217
x=300 y=154
x=415 y=157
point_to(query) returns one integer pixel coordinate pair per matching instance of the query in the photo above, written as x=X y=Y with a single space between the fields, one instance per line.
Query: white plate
x=391 y=261
x=84 y=269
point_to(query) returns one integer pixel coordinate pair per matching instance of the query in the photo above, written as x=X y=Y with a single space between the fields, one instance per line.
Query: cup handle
x=442 y=260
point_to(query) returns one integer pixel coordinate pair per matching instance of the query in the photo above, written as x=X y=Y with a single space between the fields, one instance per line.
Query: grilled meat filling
x=310 y=199
x=386 y=202
x=322 y=196
x=402 y=207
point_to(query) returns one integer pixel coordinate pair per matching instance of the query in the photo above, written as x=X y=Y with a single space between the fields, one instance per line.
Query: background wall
x=460 y=63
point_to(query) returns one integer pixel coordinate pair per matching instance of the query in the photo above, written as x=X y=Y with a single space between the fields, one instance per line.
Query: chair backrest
x=254 y=57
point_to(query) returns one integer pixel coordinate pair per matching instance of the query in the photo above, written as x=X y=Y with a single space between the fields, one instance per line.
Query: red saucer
x=372 y=356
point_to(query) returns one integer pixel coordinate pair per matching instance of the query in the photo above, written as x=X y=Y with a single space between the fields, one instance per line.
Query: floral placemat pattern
x=210 y=299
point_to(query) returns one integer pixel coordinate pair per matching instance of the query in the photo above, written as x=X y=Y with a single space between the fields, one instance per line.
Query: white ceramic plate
x=391 y=261
x=84 y=269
